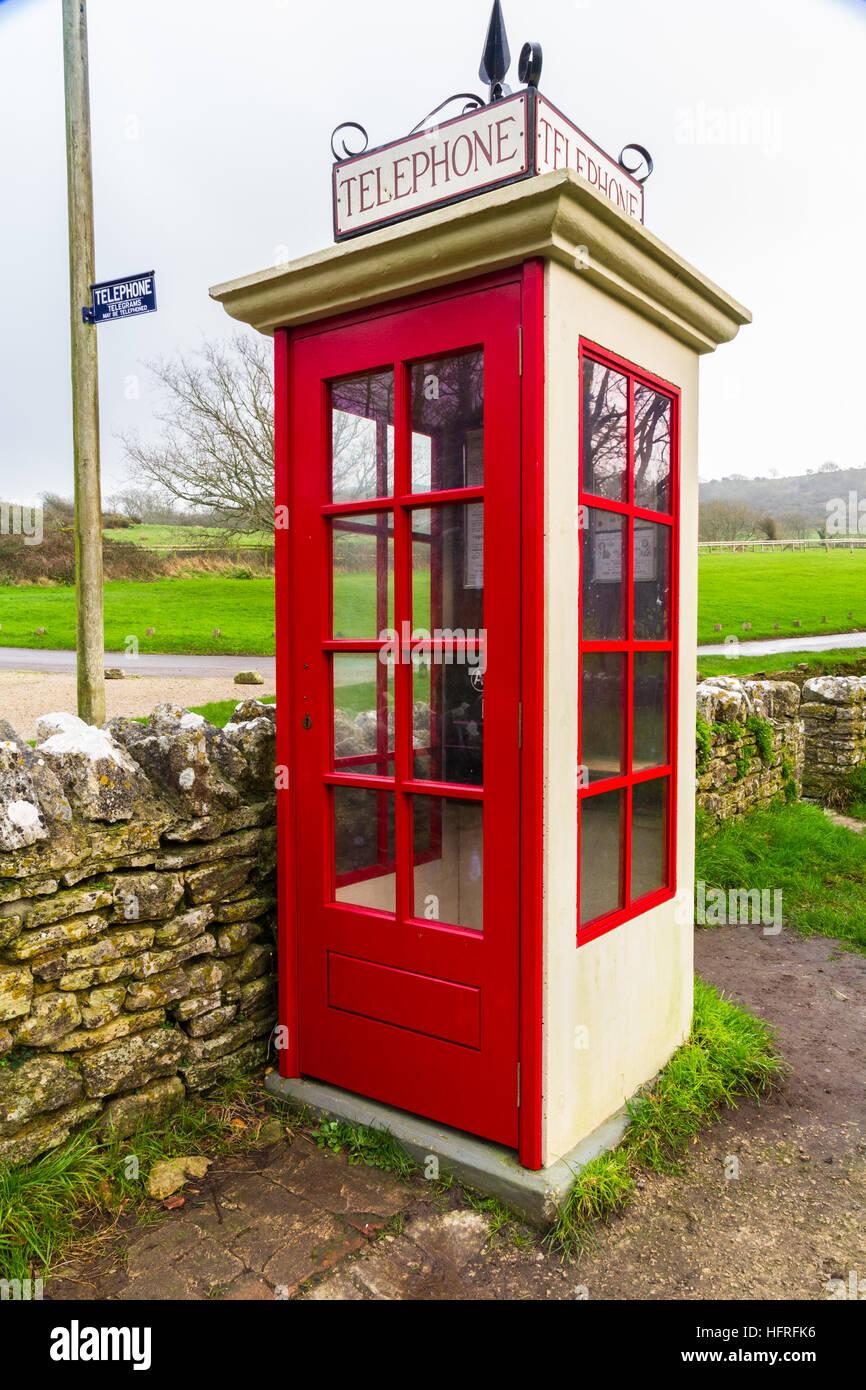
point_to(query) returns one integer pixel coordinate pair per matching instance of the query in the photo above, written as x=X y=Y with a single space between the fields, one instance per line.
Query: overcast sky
x=211 y=131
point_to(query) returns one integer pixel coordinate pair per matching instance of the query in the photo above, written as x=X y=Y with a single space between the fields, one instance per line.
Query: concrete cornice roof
x=556 y=216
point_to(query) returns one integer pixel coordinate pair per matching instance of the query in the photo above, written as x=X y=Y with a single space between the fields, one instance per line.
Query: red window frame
x=626 y=781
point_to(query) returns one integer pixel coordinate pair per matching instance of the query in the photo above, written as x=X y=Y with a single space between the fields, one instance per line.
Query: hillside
x=805 y=496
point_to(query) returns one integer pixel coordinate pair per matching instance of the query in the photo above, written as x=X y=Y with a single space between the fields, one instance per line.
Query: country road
x=63 y=663
x=827 y=641
x=186 y=664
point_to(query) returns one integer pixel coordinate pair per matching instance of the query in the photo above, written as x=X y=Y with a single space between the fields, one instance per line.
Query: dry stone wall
x=833 y=711
x=137 y=917
x=759 y=740
x=750 y=744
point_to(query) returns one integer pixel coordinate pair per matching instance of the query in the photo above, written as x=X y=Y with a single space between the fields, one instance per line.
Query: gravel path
x=26 y=695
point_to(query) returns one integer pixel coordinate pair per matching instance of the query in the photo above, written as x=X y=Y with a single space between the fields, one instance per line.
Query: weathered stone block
x=51 y=1017
x=142 y=897
x=244 y=909
x=154 y=1101
x=121 y=1027
x=207 y=975
x=215 y=880
x=204 y=1024
x=73 y=903
x=40 y=1084
x=255 y=961
x=256 y=740
x=200 y=1076
x=157 y=991
x=206 y=1049
x=835 y=690
x=240 y=842
x=133 y=1062
x=173 y=751
x=10 y=927
x=99 y=778
x=22 y=821
x=16 y=991
x=102 y=1005
x=46 y=1132
x=196 y=1004
x=235 y=937
x=155 y=962
x=258 y=994
x=53 y=804
x=185 y=927
x=45 y=940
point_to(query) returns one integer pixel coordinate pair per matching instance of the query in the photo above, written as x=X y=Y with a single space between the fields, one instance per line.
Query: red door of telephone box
x=401 y=679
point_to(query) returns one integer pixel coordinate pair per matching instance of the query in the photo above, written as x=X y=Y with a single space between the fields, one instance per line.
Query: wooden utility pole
x=90 y=640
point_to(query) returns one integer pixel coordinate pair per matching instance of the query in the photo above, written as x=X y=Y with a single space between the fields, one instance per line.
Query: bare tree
x=728 y=521
x=216 y=453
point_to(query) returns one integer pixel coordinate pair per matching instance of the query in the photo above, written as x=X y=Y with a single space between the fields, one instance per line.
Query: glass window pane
x=363 y=689
x=652 y=581
x=448 y=880
x=602 y=715
x=651 y=709
x=605 y=431
x=363 y=565
x=649 y=836
x=362 y=437
x=448 y=570
x=364 y=847
x=603 y=559
x=601 y=846
x=652 y=450
x=448 y=422
x=448 y=715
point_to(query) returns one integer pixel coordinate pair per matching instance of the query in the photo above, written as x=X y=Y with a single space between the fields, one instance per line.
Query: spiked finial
x=496 y=57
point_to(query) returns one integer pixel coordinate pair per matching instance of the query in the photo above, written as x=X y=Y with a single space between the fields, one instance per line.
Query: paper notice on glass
x=607 y=556
x=644 y=553
x=474 y=549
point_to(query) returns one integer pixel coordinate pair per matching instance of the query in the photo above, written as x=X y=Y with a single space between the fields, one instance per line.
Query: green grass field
x=779 y=587
x=763 y=589
x=148 y=534
x=183 y=612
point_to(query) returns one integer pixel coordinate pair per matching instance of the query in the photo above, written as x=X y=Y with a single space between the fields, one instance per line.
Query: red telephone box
x=486 y=473
x=403 y=673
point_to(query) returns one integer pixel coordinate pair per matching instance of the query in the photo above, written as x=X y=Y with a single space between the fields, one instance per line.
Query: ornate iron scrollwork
x=473 y=103
x=529 y=64
x=348 y=153
x=644 y=157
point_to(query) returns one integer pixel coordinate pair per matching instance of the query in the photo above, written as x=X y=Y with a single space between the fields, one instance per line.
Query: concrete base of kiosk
x=489 y=1168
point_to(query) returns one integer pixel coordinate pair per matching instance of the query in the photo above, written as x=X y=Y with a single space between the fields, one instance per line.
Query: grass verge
x=818 y=867
x=839 y=661
x=729 y=1054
